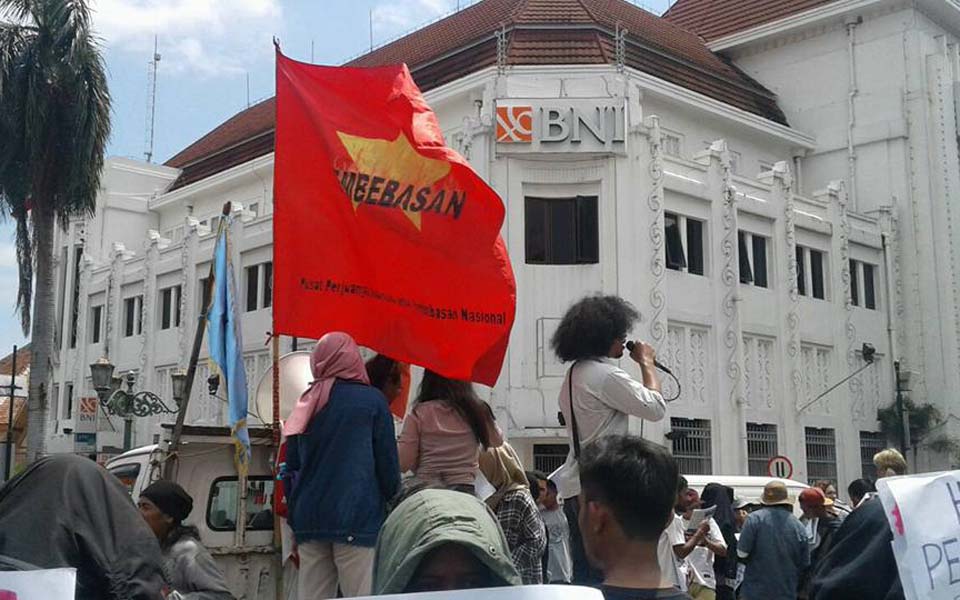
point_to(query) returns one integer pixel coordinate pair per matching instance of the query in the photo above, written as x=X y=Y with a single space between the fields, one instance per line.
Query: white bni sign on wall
x=780 y=466
x=563 y=125
x=87 y=416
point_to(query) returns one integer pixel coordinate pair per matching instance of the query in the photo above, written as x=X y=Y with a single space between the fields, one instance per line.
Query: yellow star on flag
x=396 y=160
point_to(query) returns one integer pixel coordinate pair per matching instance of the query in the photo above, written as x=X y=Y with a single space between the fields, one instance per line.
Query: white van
x=749 y=487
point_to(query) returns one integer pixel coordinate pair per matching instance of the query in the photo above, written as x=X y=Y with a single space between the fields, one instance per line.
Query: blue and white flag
x=226 y=343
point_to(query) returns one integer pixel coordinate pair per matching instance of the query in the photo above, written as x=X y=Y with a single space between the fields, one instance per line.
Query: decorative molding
x=655 y=202
x=593 y=172
x=188 y=283
x=687 y=352
x=86 y=266
x=728 y=275
x=147 y=322
x=838 y=198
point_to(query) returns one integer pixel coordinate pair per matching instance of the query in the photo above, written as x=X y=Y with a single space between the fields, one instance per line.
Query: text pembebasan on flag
x=380 y=229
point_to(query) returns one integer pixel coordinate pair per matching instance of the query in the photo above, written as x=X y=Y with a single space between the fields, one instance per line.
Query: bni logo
x=514 y=124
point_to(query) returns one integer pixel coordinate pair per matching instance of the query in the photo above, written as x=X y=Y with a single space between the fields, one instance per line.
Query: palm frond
x=25 y=258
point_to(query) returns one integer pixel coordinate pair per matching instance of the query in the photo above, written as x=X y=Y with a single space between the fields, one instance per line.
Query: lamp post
x=127 y=403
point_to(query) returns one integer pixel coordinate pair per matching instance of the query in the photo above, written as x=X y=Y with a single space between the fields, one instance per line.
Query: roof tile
x=714 y=19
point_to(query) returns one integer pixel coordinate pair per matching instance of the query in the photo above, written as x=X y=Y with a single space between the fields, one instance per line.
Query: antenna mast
x=151 y=99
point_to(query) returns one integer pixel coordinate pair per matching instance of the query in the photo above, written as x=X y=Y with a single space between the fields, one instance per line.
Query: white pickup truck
x=244 y=547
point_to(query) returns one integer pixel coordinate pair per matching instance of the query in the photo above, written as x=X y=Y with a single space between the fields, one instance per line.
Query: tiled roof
x=23 y=362
x=714 y=19
x=19 y=408
x=538 y=32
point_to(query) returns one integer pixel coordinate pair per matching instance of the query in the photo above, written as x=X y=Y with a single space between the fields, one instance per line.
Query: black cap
x=170 y=498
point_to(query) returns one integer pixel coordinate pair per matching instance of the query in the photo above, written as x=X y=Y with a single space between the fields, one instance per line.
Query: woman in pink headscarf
x=342 y=462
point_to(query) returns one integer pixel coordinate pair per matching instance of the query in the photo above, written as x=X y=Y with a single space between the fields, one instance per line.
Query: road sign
x=780 y=466
x=87 y=416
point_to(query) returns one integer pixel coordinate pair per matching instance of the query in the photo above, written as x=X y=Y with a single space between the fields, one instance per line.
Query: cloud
x=206 y=37
x=397 y=17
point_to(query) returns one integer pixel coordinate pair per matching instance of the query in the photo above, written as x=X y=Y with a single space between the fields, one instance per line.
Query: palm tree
x=54 y=125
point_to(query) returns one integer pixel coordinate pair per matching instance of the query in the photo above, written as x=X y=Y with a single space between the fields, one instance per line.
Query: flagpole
x=194 y=359
x=277 y=521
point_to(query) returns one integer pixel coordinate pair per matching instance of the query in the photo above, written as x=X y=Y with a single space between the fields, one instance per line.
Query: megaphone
x=295 y=376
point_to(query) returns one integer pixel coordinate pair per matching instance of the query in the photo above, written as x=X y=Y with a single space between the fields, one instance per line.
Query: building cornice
x=803 y=19
x=212 y=182
x=705 y=103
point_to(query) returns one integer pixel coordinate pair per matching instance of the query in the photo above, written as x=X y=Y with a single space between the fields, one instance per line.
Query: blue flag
x=226 y=344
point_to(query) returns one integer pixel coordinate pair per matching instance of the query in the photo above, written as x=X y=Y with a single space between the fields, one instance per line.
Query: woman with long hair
x=443 y=435
x=341 y=467
x=724 y=568
x=192 y=571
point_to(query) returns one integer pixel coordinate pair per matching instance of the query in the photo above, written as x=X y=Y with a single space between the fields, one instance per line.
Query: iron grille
x=691 y=445
x=821 y=455
x=547 y=458
x=761 y=447
x=871 y=442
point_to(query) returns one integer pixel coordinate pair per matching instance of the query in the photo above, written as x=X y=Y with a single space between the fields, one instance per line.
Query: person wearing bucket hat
x=441 y=540
x=774 y=546
x=190 y=569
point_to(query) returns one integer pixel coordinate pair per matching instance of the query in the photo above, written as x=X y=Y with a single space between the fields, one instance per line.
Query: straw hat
x=775 y=494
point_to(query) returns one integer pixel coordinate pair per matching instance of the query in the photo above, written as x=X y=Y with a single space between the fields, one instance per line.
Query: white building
x=654 y=170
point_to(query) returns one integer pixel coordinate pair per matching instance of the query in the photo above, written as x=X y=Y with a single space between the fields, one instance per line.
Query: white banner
x=924 y=516
x=47 y=584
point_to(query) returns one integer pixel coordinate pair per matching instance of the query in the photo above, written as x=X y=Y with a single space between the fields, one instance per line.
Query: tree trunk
x=41 y=338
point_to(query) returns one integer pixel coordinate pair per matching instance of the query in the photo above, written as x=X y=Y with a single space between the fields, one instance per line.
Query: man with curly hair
x=598 y=397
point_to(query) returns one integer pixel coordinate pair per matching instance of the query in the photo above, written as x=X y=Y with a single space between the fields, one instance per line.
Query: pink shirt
x=438 y=445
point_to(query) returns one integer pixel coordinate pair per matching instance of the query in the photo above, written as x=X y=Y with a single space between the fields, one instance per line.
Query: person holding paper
x=597 y=397
x=627 y=489
x=703 y=584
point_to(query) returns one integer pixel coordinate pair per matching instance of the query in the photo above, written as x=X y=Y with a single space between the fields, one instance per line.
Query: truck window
x=127 y=474
x=222 y=505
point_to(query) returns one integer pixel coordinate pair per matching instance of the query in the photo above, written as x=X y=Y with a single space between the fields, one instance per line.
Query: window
x=761 y=447
x=75 y=302
x=691 y=445
x=96 y=324
x=684 y=243
x=259 y=285
x=132 y=316
x=127 y=474
x=862 y=277
x=753 y=258
x=222 y=505
x=170 y=307
x=672 y=144
x=821 y=455
x=55 y=403
x=811 y=278
x=254 y=207
x=871 y=442
x=68 y=401
x=547 y=458
x=562 y=231
x=204 y=295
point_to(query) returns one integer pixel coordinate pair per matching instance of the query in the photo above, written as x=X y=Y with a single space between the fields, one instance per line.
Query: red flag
x=380 y=229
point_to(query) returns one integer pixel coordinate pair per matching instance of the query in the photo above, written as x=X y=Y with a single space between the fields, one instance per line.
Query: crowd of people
x=449 y=505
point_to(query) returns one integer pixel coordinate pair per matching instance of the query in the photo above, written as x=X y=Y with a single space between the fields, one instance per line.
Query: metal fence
x=761 y=447
x=821 y=455
x=547 y=458
x=691 y=445
x=871 y=442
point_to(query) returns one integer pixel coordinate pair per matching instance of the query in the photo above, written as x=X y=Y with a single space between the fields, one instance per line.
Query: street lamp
x=127 y=403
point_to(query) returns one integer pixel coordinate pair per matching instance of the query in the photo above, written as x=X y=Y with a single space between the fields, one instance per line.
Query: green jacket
x=429 y=519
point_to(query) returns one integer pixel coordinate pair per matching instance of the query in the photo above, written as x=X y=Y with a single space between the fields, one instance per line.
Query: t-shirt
x=620 y=593
x=777 y=550
x=701 y=559
x=559 y=560
x=671 y=568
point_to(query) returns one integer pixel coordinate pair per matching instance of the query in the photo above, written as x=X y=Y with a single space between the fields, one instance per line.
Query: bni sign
x=555 y=126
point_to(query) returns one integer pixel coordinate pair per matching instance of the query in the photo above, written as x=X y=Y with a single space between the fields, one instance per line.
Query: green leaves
x=54 y=118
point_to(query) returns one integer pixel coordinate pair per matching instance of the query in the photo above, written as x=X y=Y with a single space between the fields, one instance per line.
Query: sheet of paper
x=924 y=515
x=699 y=516
x=45 y=584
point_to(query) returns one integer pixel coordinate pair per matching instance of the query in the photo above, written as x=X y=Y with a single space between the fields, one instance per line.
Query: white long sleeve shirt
x=604 y=397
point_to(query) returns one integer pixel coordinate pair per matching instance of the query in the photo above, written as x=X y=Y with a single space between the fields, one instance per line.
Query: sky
x=212 y=52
